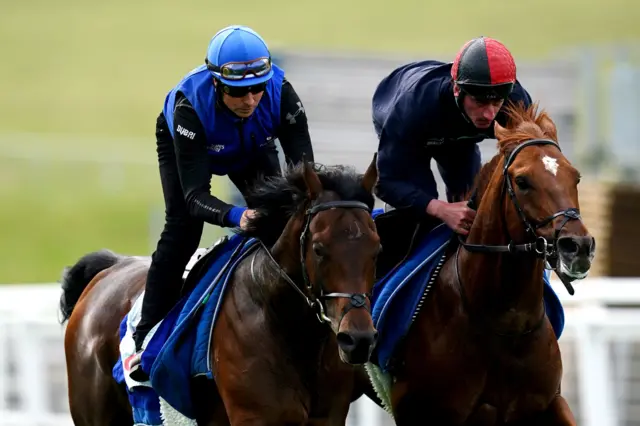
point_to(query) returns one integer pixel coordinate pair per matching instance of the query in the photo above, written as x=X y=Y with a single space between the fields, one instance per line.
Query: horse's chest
x=521 y=386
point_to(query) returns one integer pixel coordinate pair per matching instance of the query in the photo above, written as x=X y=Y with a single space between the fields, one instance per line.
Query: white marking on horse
x=354 y=234
x=551 y=164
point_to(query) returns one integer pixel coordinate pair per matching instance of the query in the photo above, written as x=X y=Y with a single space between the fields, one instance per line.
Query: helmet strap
x=459 y=99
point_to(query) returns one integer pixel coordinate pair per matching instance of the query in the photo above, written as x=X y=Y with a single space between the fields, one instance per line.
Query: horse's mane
x=523 y=124
x=278 y=198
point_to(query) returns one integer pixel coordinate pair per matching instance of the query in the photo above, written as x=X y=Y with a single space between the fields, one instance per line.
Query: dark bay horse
x=482 y=351
x=296 y=314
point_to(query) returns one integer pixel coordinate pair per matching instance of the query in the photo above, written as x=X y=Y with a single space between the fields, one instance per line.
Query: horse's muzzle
x=575 y=254
x=356 y=346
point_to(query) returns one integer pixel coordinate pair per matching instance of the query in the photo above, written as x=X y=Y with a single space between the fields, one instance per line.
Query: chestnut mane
x=523 y=124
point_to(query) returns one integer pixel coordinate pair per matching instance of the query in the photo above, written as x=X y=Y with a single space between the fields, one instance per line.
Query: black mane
x=276 y=199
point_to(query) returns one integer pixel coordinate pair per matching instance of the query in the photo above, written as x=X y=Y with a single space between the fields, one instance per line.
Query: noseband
x=357 y=300
x=539 y=245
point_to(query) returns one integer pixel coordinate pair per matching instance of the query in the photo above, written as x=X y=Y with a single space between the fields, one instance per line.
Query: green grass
x=53 y=212
x=91 y=67
x=86 y=70
x=48 y=222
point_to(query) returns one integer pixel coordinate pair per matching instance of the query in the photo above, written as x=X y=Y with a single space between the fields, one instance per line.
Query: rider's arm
x=458 y=163
x=193 y=168
x=293 y=132
x=405 y=179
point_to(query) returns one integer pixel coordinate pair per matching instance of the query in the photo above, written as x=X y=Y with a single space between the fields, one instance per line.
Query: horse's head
x=327 y=244
x=340 y=244
x=540 y=193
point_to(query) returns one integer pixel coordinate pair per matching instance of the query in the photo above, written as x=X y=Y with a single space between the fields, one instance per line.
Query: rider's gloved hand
x=238 y=216
x=458 y=216
x=244 y=220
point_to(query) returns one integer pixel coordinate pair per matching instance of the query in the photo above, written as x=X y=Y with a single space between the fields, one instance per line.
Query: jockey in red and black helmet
x=433 y=110
x=485 y=70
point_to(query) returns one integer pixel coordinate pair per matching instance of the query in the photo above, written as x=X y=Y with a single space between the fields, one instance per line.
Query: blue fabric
x=396 y=296
x=553 y=306
x=228 y=152
x=237 y=43
x=234 y=215
x=179 y=349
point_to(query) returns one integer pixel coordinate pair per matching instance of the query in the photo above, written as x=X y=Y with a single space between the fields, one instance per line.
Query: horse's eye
x=578 y=179
x=319 y=249
x=523 y=183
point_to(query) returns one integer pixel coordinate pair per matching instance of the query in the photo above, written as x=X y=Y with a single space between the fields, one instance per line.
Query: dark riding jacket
x=417 y=119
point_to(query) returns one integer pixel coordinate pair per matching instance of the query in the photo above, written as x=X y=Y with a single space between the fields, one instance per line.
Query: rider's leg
x=178 y=241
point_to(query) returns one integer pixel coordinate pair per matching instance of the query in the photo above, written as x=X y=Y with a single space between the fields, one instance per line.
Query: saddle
x=399 y=230
x=199 y=263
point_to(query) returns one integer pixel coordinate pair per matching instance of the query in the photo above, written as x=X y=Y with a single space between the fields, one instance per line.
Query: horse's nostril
x=345 y=341
x=568 y=246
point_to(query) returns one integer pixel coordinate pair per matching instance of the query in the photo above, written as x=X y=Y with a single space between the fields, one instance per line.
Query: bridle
x=357 y=300
x=539 y=245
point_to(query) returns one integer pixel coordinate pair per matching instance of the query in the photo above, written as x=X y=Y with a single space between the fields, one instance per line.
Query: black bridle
x=357 y=300
x=539 y=245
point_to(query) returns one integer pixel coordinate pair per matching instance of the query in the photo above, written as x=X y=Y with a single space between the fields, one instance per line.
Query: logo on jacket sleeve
x=186 y=132
x=292 y=117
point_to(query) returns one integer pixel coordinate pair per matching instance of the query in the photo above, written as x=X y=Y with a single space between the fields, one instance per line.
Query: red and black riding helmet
x=485 y=69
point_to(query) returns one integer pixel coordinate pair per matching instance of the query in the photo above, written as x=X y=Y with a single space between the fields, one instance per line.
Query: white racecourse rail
x=602 y=322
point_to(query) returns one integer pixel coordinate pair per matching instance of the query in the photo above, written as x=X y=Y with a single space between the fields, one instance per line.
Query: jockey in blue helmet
x=435 y=110
x=222 y=118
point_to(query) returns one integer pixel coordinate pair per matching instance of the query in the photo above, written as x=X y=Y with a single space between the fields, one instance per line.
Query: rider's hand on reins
x=458 y=216
x=244 y=220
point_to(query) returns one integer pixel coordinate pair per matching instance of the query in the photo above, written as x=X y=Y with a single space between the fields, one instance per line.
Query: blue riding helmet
x=238 y=56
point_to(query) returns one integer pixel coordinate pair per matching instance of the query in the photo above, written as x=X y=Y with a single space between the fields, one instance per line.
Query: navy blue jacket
x=417 y=119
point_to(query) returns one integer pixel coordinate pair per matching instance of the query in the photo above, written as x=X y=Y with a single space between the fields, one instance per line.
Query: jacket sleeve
x=293 y=132
x=193 y=169
x=520 y=94
x=458 y=163
x=400 y=164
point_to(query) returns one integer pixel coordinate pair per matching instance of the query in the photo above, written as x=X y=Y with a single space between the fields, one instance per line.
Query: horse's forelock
x=523 y=124
x=277 y=198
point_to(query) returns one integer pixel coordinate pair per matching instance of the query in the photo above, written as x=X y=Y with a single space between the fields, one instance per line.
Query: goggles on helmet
x=239 y=70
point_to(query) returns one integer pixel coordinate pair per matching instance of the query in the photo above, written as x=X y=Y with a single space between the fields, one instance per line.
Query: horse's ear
x=547 y=125
x=499 y=131
x=371 y=175
x=311 y=179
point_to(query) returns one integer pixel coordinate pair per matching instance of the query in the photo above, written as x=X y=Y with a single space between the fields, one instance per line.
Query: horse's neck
x=507 y=288
x=286 y=310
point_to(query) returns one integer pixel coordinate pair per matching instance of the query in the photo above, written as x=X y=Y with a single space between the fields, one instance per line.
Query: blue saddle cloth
x=398 y=295
x=179 y=349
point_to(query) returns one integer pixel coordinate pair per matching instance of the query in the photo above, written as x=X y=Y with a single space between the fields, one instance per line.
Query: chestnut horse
x=482 y=351
x=296 y=314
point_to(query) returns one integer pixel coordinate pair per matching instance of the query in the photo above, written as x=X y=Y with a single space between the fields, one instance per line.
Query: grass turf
x=97 y=73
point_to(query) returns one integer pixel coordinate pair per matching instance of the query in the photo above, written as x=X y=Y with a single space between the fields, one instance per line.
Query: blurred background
x=82 y=82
